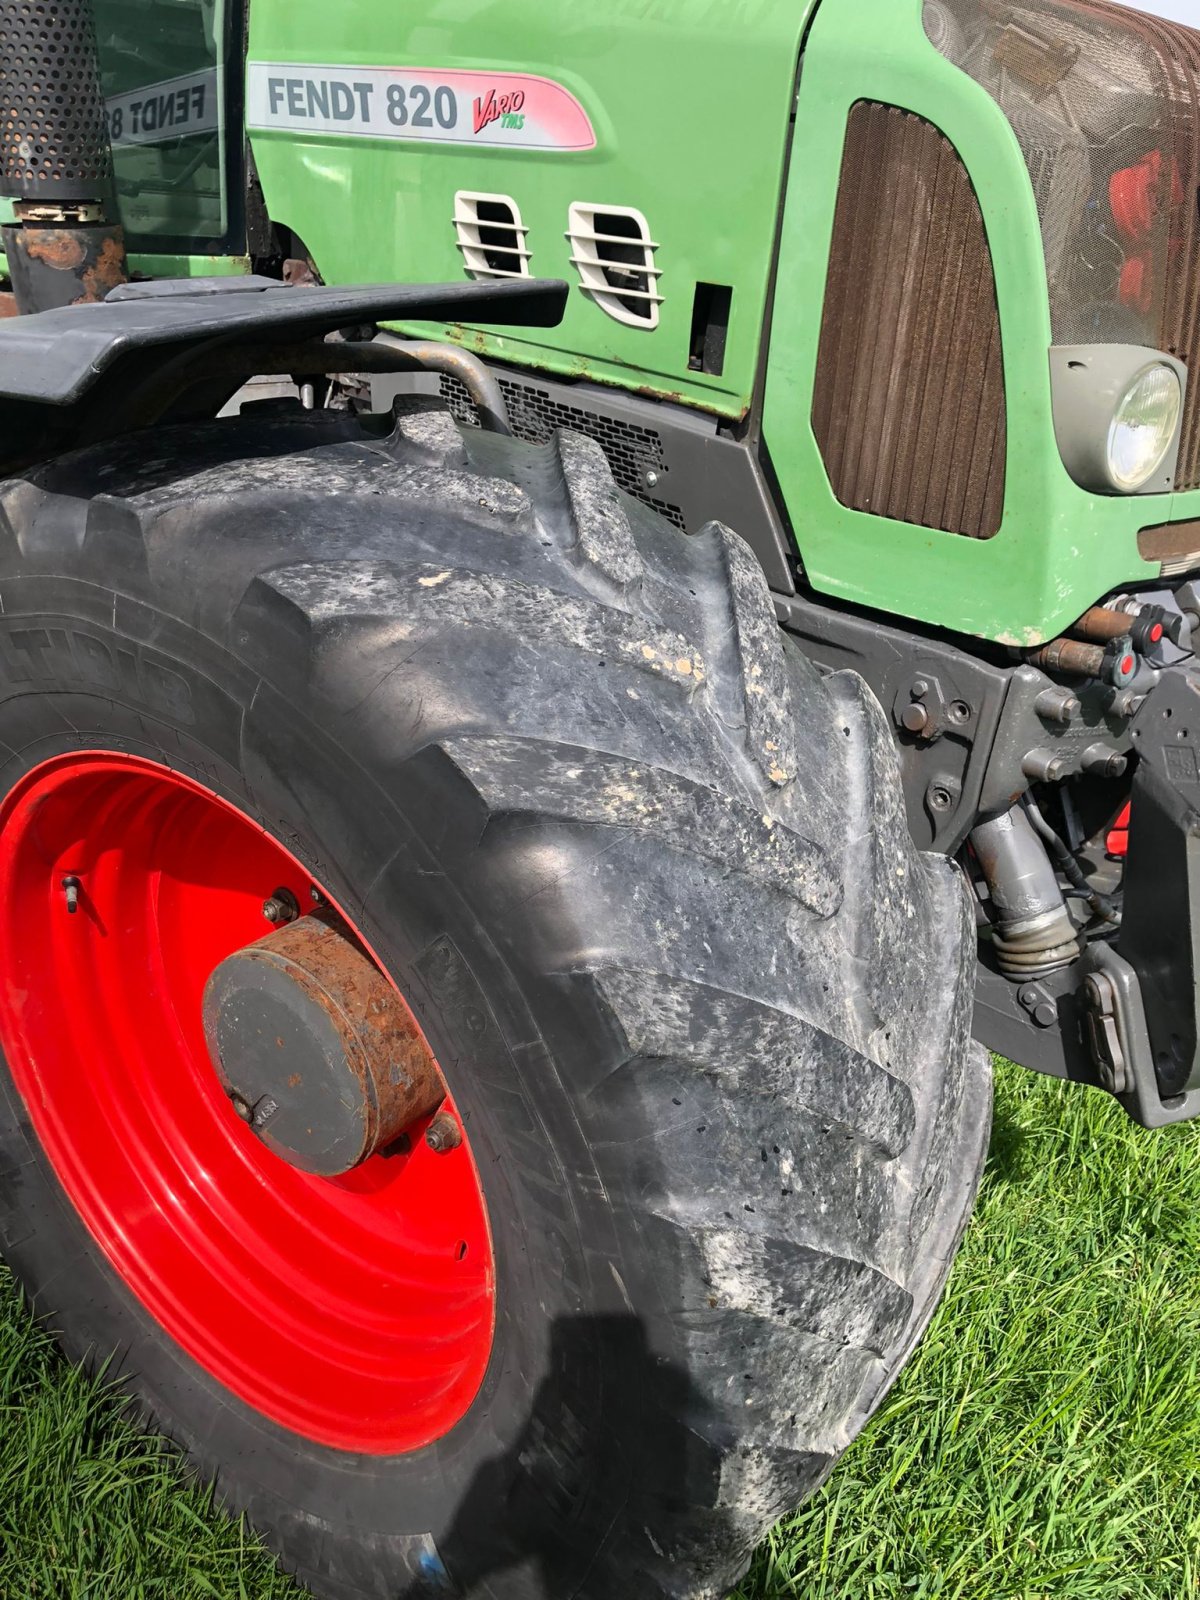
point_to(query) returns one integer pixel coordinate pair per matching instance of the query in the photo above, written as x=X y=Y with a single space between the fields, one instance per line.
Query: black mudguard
x=72 y=375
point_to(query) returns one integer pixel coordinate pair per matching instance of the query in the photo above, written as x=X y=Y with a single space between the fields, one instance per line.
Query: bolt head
x=282 y=906
x=650 y=478
x=443 y=1133
x=919 y=688
x=1044 y=1014
x=914 y=717
x=940 y=799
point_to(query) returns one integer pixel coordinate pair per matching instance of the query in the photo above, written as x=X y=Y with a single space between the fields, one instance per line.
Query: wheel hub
x=315 y=1048
x=356 y=1308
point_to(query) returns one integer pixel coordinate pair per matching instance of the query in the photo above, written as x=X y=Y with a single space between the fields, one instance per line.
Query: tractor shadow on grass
x=592 y=1489
x=1008 y=1156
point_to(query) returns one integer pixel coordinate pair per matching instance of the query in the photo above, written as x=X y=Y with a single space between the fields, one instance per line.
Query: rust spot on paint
x=105 y=273
x=59 y=248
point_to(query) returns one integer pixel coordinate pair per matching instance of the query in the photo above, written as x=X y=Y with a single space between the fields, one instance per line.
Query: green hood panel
x=690 y=103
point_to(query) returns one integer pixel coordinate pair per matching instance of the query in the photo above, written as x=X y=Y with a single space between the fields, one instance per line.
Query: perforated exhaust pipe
x=66 y=247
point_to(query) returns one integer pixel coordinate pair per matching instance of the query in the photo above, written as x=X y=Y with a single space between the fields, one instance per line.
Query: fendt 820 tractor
x=595 y=602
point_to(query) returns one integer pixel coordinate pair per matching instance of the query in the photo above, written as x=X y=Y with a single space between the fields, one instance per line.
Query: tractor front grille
x=632 y=451
x=1105 y=102
x=908 y=407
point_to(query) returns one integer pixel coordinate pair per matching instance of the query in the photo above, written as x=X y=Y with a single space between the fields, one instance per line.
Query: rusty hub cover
x=315 y=1048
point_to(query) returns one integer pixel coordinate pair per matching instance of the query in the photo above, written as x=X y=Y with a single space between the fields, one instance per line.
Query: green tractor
x=594 y=604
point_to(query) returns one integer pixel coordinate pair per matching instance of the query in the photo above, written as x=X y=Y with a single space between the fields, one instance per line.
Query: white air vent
x=613 y=252
x=491 y=235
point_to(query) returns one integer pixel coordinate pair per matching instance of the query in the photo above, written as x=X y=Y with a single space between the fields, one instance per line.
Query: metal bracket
x=1117 y=1024
x=926 y=707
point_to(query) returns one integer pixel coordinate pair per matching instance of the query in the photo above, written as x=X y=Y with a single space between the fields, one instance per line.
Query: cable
x=1072 y=871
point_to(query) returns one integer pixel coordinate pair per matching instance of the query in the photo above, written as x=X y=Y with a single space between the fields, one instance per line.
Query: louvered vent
x=909 y=402
x=613 y=253
x=491 y=235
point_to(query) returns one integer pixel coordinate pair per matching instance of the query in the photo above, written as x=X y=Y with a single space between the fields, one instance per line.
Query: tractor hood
x=636 y=150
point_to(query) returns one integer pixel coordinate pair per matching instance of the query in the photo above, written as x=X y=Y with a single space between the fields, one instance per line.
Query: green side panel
x=1059 y=548
x=156 y=266
x=690 y=102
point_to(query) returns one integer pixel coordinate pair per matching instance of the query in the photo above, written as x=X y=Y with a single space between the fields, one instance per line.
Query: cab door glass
x=162 y=74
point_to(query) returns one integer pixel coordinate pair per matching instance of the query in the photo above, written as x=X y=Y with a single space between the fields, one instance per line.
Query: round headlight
x=1143 y=427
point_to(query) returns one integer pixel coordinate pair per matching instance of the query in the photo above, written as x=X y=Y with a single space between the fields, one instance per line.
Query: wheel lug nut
x=282 y=906
x=443 y=1133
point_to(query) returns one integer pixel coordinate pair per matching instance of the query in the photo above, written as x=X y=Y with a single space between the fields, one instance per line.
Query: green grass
x=1043 y=1445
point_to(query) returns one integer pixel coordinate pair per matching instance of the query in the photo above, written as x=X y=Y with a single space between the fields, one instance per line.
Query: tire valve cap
x=443 y=1133
x=71 y=887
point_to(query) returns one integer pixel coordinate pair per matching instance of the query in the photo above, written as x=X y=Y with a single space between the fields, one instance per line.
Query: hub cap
x=316 y=1050
x=356 y=1310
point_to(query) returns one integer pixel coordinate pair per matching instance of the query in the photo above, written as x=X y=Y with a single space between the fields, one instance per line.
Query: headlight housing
x=1118 y=410
x=1143 y=427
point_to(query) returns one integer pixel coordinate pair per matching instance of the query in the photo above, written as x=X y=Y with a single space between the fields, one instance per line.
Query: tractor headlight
x=1118 y=411
x=1143 y=427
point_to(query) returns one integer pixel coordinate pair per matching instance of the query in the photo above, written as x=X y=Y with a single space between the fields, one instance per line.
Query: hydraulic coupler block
x=1114 y=663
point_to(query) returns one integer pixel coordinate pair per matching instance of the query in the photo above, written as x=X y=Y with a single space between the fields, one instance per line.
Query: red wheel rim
x=356 y=1311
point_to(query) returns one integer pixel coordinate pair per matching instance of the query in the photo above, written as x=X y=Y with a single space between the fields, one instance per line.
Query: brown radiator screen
x=1175 y=544
x=909 y=402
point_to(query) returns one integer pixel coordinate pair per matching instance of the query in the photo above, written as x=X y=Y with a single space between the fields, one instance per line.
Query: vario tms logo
x=505 y=109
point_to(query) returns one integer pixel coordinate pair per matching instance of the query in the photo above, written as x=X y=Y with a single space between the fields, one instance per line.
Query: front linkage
x=1066 y=781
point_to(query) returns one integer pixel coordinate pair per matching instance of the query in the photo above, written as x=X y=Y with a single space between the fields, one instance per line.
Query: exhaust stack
x=66 y=246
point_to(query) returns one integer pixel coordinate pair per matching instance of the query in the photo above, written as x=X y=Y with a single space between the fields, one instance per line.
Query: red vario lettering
x=492 y=107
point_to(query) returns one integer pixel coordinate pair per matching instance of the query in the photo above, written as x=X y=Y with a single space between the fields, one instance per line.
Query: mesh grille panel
x=1106 y=105
x=909 y=402
x=1175 y=544
x=632 y=451
x=53 y=138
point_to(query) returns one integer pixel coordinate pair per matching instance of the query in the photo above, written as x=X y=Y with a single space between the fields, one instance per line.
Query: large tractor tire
x=643 y=878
